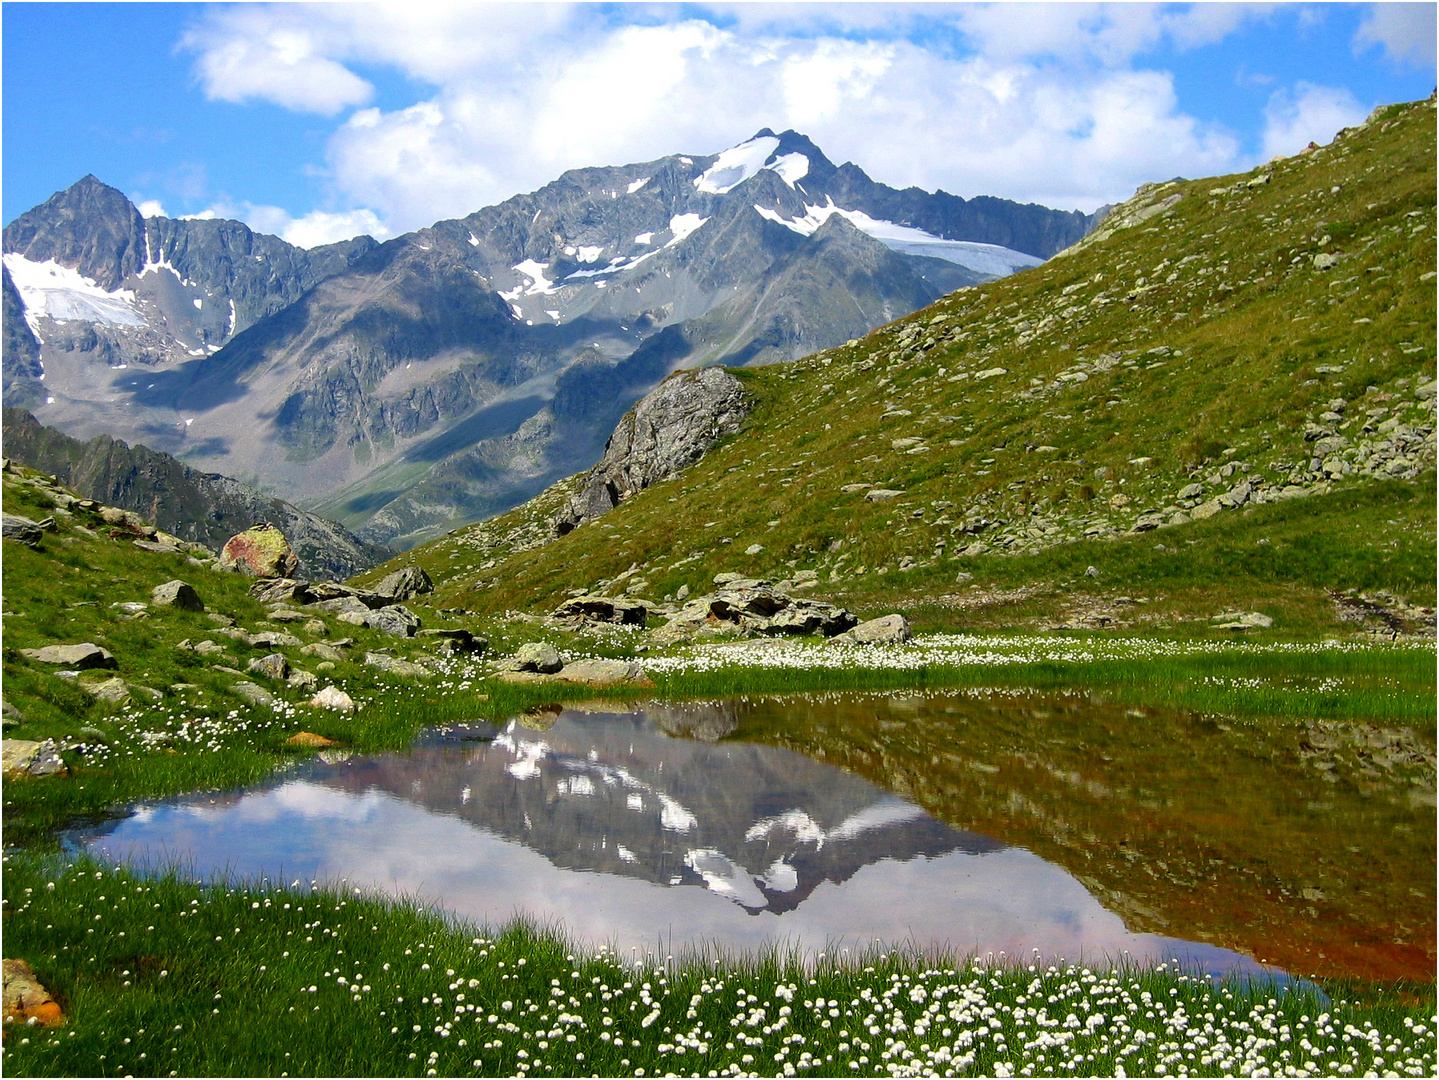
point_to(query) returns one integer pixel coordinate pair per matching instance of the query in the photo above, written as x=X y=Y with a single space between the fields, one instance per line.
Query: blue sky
x=320 y=121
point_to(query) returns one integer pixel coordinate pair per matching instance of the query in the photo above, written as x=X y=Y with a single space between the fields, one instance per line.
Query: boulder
x=344 y=605
x=752 y=605
x=273 y=666
x=454 y=641
x=301 y=680
x=79 y=657
x=281 y=591
x=111 y=692
x=25 y=1000
x=1242 y=620
x=25 y=757
x=176 y=594
x=404 y=584
x=887 y=629
x=395 y=620
x=538 y=656
x=261 y=551
x=393 y=666
x=20 y=529
x=332 y=697
x=604 y=673
x=604 y=609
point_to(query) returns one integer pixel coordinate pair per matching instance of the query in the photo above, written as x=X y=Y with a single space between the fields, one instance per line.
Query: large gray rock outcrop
x=669 y=429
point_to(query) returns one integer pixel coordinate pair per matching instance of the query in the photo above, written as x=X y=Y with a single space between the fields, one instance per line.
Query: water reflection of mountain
x=613 y=793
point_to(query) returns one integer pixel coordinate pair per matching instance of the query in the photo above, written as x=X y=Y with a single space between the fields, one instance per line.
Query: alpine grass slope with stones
x=455 y=371
x=1215 y=414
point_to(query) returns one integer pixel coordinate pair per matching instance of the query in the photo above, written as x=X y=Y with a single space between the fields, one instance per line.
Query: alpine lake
x=1004 y=823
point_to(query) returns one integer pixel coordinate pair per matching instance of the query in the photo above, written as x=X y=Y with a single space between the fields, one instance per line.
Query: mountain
x=202 y=507
x=457 y=370
x=1225 y=393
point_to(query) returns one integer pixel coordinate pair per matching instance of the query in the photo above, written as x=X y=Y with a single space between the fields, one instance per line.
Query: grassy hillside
x=1223 y=398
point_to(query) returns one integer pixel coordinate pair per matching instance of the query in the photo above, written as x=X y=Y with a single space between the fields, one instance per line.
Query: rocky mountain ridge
x=1221 y=346
x=457 y=370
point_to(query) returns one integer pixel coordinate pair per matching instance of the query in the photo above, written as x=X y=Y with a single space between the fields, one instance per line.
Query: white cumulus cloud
x=1308 y=113
x=1406 y=31
x=1046 y=103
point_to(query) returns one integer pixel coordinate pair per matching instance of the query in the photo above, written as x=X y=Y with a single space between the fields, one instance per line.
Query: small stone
x=324 y=652
x=252 y=693
x=332 y=697
x=1325 y=261
x=176 y=594
x=754 y=549
x=301 y=680
x=1192 y=491
x=964 y=577
x=393 y=666
x=882 y=495
x=80 y=657
x=1091 y=571
x=273 y=666
x=273 y=639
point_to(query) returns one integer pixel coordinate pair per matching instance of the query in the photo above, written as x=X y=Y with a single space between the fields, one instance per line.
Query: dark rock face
x=20 y=353
x=668 y=430
x=204 y=508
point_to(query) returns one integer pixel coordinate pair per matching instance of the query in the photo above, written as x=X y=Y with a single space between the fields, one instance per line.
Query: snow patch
x=992 y=259
x=536 y=284
x=791 y=167
x=736 y=165
x=474 y=240
x=674 y=816
x=724 y=877
x=641 y=182
x=644 y=237
x=590 y=254
x=681 y=225
x=60 y=293
x=199 y=303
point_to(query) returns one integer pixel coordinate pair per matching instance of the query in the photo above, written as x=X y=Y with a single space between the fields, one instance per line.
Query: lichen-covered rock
x=25 y=1000
x=177 y=594
x=670 y=428
x=261 y=551
x=25 y=757
x=404 y=584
